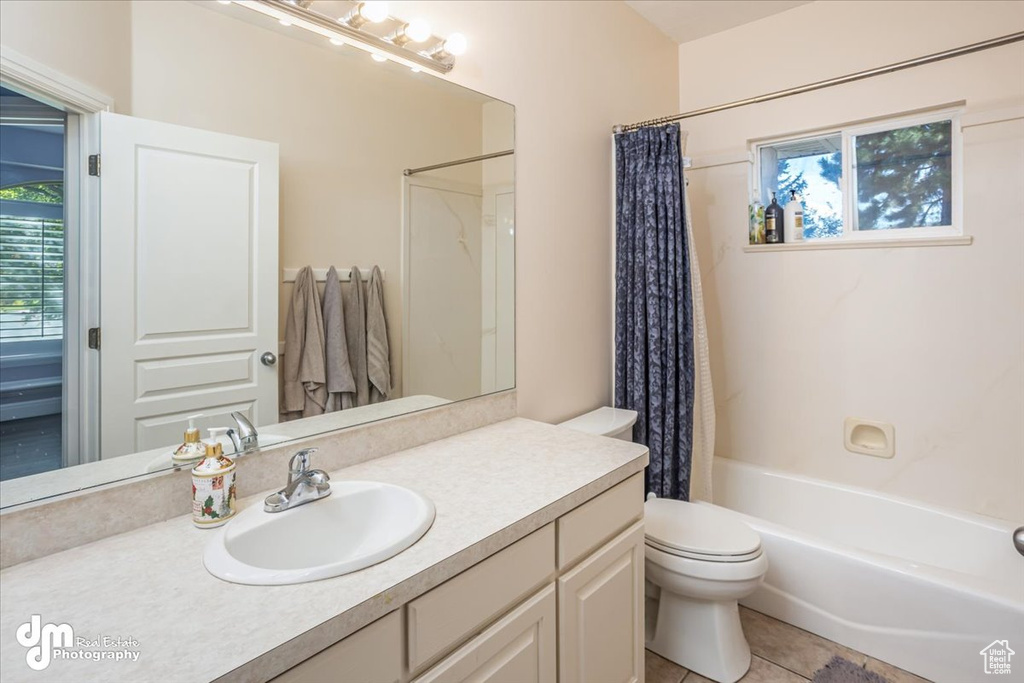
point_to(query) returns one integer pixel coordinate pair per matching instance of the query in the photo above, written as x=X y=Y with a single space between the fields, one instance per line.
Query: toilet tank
x=614 y=422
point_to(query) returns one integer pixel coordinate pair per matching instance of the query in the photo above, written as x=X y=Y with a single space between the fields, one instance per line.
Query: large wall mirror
x=240 y=160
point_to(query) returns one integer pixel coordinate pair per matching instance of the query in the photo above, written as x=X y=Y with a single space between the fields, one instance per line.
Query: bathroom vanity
x=503 y=610
x=532 y=571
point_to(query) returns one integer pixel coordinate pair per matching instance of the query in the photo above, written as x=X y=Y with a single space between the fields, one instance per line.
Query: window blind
x=31 y=278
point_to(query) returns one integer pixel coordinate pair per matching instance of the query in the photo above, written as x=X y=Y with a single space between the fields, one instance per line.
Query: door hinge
x=94 y=338
x=94 y=164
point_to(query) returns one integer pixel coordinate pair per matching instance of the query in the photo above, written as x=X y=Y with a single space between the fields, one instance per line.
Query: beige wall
x=929 y=339
x=346 y=126
x=88 y=41
x=573 y=70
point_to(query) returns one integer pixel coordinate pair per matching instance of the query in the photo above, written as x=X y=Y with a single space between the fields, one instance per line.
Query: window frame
x=848 y=180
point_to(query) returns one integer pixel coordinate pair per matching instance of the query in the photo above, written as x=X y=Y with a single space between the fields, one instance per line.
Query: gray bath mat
x=840 y=670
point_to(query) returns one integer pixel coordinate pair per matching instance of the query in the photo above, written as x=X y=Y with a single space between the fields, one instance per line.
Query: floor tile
x=790 y=647
x=892 y=673
x=660 y=670
x=761 y=671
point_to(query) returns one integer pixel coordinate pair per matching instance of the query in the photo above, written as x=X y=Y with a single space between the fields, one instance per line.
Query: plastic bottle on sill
x=774 y=218
x=756 y=221
x=794 y=218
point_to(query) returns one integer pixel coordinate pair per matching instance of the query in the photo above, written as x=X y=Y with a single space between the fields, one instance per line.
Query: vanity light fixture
x=416 y=31
x=455 y=45
x=369 y=11
x=356 y=29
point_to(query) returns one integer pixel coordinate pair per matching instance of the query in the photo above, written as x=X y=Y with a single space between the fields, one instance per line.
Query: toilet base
x=702 y=636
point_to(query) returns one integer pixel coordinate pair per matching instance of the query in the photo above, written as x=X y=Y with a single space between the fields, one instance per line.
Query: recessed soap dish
x=869 y=437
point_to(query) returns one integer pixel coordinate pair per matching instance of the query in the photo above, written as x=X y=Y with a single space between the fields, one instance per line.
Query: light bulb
x=373 y=11
x=417 y=30
x=337 y=41
x=415 y=69
x=284 y=22
x=378 y=58
x=456 y=44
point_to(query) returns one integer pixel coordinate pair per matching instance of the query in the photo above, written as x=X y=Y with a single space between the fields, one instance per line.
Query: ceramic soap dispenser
x=213 y=488
x=192 y=449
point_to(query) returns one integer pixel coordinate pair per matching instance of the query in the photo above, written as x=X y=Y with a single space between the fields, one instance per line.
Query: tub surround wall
x=93 y=514
x=491 y=487
x=928 y=339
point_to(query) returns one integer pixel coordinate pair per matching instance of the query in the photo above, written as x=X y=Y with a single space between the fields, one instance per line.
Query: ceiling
x=686 y=20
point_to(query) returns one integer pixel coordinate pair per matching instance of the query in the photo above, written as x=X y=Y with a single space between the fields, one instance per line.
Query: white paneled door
x=188 y=284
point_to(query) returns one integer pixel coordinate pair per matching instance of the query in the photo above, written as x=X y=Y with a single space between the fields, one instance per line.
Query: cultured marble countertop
x=490 y=486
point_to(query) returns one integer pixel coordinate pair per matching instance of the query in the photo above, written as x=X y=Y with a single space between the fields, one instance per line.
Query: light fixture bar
x=355 y=37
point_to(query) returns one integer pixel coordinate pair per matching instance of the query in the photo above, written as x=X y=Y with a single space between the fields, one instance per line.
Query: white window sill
x=840 y=243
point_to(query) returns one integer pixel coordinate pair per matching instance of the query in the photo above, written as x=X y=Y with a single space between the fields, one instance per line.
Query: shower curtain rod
x=840 y=80
x=468 y=160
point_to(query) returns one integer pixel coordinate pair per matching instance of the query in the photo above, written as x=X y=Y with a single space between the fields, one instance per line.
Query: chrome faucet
x=245 y=439
x=304 y=484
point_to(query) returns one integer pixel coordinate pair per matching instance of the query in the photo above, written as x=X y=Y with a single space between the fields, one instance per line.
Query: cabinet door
x=519 y=648
x=600 y=608
x=372 y=654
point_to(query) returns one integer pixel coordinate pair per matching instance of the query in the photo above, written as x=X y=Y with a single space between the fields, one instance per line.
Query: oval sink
x=360 y=523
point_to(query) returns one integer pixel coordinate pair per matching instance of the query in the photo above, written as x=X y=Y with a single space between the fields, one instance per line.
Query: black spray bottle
x=773 y=220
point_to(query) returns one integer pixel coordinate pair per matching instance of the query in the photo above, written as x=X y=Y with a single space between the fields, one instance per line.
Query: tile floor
x=782 y=654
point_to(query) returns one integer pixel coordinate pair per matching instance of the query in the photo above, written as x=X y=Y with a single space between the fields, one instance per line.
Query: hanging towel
x=339 y=371
x=355 y=334
x=305 y=389
x=378 y=358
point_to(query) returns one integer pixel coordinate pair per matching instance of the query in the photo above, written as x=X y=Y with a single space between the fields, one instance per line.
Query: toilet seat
x=698 y=532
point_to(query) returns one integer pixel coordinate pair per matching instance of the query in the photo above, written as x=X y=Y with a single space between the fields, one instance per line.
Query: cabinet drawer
x=520 y=648
x=372 y=654
x=601 y=617
x=442 y=618
x=592 y=524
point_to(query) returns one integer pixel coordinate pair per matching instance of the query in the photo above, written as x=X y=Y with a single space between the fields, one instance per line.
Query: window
x=31 y=262
x=892 y=179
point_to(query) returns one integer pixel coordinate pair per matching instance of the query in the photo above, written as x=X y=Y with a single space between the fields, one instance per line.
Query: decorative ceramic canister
x=213 y=488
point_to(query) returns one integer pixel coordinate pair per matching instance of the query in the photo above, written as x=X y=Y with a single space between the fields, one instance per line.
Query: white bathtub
x=917 y=586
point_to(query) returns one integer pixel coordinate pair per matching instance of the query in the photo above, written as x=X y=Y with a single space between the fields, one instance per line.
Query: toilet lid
x=699 y=531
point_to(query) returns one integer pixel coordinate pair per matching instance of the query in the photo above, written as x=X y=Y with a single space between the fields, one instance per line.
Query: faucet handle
x=299 y=462
x=245 y=428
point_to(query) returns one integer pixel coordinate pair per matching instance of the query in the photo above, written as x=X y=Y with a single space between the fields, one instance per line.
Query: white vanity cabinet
x=562 y=604
x=518 y=648
x=600 y=605
x=371 y=655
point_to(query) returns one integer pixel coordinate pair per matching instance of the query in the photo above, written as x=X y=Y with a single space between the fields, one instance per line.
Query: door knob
x=268 y=358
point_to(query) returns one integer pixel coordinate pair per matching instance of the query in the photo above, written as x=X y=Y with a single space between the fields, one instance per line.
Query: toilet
x=700 y=561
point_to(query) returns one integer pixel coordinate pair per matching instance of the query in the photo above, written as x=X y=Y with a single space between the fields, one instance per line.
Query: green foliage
x=904 y=177
x=37 y=193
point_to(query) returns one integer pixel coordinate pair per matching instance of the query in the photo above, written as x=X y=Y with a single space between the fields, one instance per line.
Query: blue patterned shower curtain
x=654 y=372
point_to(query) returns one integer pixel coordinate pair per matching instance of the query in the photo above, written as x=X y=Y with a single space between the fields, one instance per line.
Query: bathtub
x=918 y=586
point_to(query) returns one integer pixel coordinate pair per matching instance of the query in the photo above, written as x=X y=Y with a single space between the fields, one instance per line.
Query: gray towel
x=339 y=372
x=355 y=333
x=378 y=361
x=305 y=389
